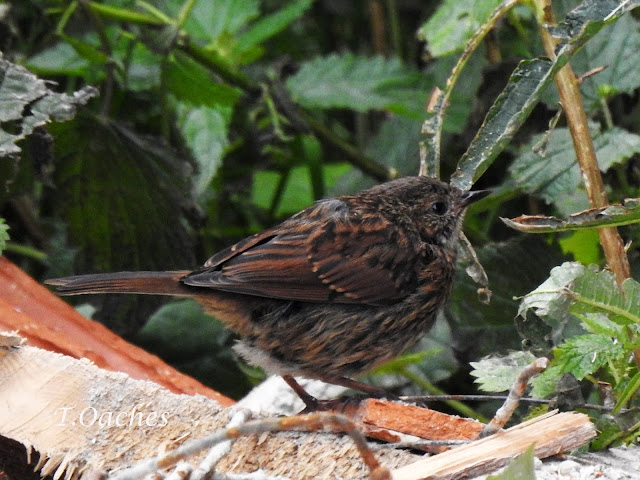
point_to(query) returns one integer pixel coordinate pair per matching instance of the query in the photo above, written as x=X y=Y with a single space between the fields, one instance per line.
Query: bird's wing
x=324 y=260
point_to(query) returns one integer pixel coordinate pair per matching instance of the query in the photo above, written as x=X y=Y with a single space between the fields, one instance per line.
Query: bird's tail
x=152 y=283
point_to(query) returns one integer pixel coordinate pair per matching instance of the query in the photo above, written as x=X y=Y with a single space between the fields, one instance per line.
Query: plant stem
x=571 y=100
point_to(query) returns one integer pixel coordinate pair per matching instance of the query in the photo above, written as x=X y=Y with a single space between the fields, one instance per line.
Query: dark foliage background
x=216 y=119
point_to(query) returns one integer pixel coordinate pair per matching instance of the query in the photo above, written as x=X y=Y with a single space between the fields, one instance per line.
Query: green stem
x=26 y=251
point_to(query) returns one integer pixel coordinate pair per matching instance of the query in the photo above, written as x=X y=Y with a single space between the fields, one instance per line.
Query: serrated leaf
x=556 y=173
x=584 y=354
x=210 y=20
x=28 y=103
x=527 y=84
x=609 y=216
x=610 y=48
x=549 y=300
x=598 y=292
x=358 y=83
x=122 y=195
x=205 y=132
x=455 y=21
x=545 y=384
x=520 y=468
x=498 y=374
x=60 y=59
x=270 y=25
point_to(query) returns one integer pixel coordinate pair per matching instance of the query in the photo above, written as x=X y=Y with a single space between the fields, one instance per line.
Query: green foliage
x=498 y=374
x=448 y=30
x=362 y=84
x=554 y=173
x=610 y=315
x=520 y=468
x=218 y=119
x=4 y=235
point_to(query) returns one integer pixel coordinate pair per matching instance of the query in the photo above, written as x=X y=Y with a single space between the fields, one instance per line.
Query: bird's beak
x=471 y=197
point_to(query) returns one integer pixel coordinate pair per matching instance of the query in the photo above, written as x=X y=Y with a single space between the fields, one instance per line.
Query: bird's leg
x=309 y=400
x=313 y=404
x=376 y=392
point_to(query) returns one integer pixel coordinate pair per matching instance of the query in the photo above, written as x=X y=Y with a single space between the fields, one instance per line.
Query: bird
x=330 y=293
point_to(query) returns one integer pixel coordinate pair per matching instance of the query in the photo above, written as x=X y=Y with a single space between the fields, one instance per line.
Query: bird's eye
x=439 y=208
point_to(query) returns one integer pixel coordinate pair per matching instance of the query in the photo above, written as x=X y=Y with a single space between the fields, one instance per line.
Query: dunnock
x=332 y=292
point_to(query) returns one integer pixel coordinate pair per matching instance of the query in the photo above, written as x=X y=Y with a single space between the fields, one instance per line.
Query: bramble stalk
x=571 y=99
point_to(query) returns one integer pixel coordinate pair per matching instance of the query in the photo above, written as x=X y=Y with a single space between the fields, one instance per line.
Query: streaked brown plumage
x=332 y=292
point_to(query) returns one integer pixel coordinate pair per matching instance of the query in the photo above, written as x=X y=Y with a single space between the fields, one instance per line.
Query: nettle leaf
x=123 y=196
x=609 y=216
x=358 y=83
x=611 y=48
x=210 y=20
x=549 y=299
x=27 y=103
x=556 y=174
x=584 y=354
x=594 y=296
x=598 y=292
x=498 y=374
x=455 y=21
x=526 y=85
x=205 y=132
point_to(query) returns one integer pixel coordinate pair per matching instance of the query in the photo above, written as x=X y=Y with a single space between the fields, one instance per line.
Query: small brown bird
x=332 y=292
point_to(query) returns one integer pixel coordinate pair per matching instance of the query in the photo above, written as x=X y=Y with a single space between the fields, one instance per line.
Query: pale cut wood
x=74 y=418
x=550 y=434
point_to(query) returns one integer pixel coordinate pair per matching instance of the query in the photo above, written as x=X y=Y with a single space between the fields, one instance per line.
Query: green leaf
x=189 y=81
x=273 y=24
x=611 y=48
x=403 y=361
x=358 y=83
x=86 y=50
x=556 y=174
x=28 y=103
x=504 y=118
x=4 y=234
x=545 y=384
x=455 y=21
x=298 y=193
x=584 y=245
x=609 y=216
x=584 y=354
x=125 y=15
x=549 y=299
x=205 y=132
x=598 y=292
x=122 y=195
x=60 y=59
x=526 y=85
x=211 y=20
x=520 y=468
x=498 y=374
